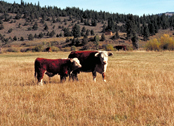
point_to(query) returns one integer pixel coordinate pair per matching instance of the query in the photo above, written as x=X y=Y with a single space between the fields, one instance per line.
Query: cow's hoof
x=40 y=84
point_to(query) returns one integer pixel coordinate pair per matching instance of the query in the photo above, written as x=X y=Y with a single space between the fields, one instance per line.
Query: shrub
x=54 y=49
x=30 y=37
x=129 y=48
x=153 y=45
x=12 y=50
x=15 y=38
x=66 y=49
x=165 y=42
x=109 y=47
x=10 y=30
x=73 y=48
x=26 y=49
x=171 y=45
x=22 y=39
x=38 y=49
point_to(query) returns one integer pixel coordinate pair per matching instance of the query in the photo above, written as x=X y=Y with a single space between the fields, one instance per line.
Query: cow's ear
x=96 y=55
x=110 y=54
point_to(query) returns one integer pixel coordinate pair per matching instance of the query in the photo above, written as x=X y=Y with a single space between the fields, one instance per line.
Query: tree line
x=133 y=25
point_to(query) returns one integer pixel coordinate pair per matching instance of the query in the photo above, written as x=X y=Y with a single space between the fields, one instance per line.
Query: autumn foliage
x=165 y=42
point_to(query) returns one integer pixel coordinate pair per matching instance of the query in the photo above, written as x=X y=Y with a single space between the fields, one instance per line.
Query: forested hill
x=36 y=18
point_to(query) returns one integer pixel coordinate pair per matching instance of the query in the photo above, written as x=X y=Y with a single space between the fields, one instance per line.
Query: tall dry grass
x=139 y=91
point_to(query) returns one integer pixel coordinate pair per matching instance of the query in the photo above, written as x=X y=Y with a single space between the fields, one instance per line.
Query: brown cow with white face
x=91 y=61
x=51 y=67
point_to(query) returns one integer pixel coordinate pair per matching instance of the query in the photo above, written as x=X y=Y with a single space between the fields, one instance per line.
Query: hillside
x=27 y=25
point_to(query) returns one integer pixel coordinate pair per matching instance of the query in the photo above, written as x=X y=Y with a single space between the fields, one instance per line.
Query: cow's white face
x=103 y=55
x=76 y=63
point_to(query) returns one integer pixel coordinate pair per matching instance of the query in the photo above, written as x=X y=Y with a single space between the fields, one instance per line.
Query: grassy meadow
x=139 y=91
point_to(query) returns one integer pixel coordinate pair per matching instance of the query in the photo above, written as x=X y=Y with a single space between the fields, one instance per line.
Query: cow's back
x=52 y=65
x=87 y=59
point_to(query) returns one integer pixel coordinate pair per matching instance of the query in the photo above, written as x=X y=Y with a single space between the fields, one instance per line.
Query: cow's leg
x=103 y=75
x=40 y=83
x=94 y=75
x=73 y=75
x=49 y=79
x=40 y=77
x=62 y=78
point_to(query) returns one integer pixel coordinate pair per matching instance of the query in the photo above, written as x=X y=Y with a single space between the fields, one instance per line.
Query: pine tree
x=135 y=40
x=145 y=32
x=104 y=28
x=85 y=40
x=83 y=29
x=35 y=26
x=130 y=26
x=87 y=32
x=151 y=29
x=103 y=37
x=116 y=36
x=30 y=37
x=46 y=27
x=92 y=32
x=111 y=25
x=76 y=31
x=67 y=32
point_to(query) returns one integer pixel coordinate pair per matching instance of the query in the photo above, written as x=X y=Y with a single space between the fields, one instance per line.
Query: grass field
x=139 y=91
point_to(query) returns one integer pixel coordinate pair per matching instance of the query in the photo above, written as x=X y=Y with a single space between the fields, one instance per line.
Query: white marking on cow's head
x=103 y=55
x=76 y=63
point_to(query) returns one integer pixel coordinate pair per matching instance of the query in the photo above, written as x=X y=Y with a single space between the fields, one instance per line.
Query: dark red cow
x=48 y=49
x=91 y=61
x=51 y=67
x=118 y=47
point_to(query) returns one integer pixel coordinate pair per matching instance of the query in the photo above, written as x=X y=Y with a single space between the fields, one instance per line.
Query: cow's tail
x=35 y=68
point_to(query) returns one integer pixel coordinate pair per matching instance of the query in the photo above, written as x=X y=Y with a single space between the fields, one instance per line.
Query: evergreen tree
x=85 y=40
x=76 y=31
x=151 y=29
x=46 y=27
x=87 y=32
x=116 y=36
x=130 y=26
x=92 y=32
x=135 y=40
x=145 y=32
x=83 y=29
x=103 y=37
x=15 y=38
x=94 y=22
x=22 y=39
x=35 y=26
x=30 y=37
x=41 y=35
x=52 y=33
x=111 y=25
x=104 y=28
x=67 y=32
x=96 y=40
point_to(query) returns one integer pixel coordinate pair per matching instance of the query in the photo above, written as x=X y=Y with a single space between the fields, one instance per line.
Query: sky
x=135 y=7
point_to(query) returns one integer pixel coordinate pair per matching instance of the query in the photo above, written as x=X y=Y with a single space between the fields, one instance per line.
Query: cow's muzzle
x=104 y=62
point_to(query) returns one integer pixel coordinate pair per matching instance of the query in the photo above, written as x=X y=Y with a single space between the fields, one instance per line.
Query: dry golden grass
x=139 y=91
